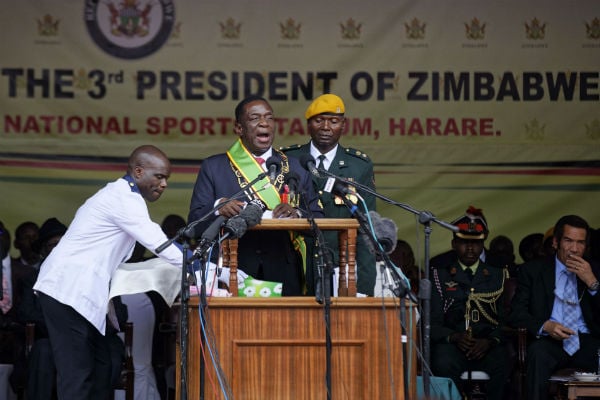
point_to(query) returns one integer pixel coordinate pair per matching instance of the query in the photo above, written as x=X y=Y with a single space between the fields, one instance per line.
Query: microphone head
x=308 y=163
x=273 y=162
x=292 y=179
x=212 y=231
x=340 y=189
x=236 y=226
x=252 y=213
x=386 y=231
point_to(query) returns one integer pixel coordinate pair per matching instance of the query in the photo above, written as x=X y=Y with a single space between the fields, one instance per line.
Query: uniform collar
x=329 y=156
x=472 y=267
x=131 y=182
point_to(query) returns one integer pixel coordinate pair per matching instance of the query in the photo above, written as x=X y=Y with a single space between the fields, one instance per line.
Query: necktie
x=260 y=160
x=469 y=273
x=322 y=158
x=570 y=345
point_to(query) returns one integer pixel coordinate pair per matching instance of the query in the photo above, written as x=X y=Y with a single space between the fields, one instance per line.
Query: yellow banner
x=493 y=104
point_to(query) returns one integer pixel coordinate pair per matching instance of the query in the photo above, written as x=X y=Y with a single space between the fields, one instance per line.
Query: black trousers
x=449 y=361
x=81 y=353
x=546 y=355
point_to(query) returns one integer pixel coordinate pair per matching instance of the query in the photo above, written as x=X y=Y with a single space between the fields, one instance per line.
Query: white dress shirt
x=329 y=156
x=6 y=300
x=102 y=235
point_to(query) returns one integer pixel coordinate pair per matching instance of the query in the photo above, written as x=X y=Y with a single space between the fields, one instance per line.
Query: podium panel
x=347 y=231
x=274 y=348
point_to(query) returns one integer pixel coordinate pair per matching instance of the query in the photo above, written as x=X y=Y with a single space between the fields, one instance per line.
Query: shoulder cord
x=489 y=298
x=447 y=302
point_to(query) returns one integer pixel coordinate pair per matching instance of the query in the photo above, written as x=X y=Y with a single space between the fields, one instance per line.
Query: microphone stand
x=425 y=219
x=187 y=232
x=395 y=284
x=323 y=290
x=184 y=326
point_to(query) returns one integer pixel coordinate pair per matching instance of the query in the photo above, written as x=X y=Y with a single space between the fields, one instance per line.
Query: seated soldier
x=466 y=310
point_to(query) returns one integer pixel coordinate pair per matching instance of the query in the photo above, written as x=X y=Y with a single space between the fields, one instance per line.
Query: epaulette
x=292 y=147
x=357 y=153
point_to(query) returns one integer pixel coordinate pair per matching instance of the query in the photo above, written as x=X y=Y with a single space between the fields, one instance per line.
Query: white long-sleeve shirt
x=102 y=235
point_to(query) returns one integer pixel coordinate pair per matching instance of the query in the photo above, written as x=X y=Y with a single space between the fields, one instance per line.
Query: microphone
x=208 y=236
x=386 y=232
x=235 y=227
x=292 y=179
x=273 y=166
x=340 y=188
x=252 y=213
x=308 y=163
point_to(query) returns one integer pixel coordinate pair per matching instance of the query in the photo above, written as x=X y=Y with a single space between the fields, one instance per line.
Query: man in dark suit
x=325 y=121
x=467 y=312
x=557 y=301
x=266 y=255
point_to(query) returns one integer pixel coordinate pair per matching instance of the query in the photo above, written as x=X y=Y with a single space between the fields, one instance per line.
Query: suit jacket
x=265 y=255
x=451 y=288
x=353 y=165
x=534 y=298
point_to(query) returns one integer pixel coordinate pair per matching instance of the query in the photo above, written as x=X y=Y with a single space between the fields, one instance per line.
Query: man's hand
x=232 y=208
x=462 y=340
x=479 y=349
x=284 y=210
x=557 y=331
x=581 y=268
x=474 y=349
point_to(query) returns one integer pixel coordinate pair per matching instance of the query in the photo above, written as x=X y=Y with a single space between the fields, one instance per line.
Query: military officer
x=325 y=120
x=466 y=310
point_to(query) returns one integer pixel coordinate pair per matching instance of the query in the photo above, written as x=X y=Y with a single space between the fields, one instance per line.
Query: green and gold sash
x=245 y=168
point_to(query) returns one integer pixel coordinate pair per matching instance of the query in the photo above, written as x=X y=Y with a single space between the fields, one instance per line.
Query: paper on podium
x=154 y=274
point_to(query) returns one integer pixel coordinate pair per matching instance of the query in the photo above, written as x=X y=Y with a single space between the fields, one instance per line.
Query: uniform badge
x=451 y=286
x=352 y=197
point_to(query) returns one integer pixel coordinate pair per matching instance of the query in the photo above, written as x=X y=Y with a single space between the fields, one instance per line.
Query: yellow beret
x=325 y=103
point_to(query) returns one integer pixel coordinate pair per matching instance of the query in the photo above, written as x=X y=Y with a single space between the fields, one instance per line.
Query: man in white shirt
x=73 y=284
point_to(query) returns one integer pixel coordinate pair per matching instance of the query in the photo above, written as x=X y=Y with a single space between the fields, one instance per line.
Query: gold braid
x=488 y=298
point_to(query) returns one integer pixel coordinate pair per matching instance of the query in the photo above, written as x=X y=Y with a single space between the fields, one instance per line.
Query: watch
x=594 y=286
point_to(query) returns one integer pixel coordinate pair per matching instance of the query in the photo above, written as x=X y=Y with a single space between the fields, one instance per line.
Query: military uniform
x=356 y=166
x=467 y=305
x=449 y=301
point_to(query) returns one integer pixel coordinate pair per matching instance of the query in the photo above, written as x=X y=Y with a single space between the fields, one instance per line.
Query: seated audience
x=502 y=254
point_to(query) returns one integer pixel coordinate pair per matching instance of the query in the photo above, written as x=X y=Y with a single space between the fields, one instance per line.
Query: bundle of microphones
x=385 y=229
x=233 y=228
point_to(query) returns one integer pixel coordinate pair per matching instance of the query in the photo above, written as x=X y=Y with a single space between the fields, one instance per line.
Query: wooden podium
x=274 y=348
x=346 y=227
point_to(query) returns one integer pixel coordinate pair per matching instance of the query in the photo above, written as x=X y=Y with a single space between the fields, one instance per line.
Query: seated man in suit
x=557 y=301
x=467 y=312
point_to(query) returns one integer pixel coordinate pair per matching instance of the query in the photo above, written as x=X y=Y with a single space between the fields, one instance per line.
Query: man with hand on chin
x=557 y=301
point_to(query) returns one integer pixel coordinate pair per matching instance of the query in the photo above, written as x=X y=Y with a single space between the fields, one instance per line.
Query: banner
x=491 y=104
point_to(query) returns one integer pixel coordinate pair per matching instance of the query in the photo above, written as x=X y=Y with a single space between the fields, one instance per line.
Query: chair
x=127 y=371
x=126 y=379
x=474 y=379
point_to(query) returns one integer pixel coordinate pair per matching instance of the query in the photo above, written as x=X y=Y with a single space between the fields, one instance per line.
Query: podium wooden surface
x=274 y=349
x=346 y=227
